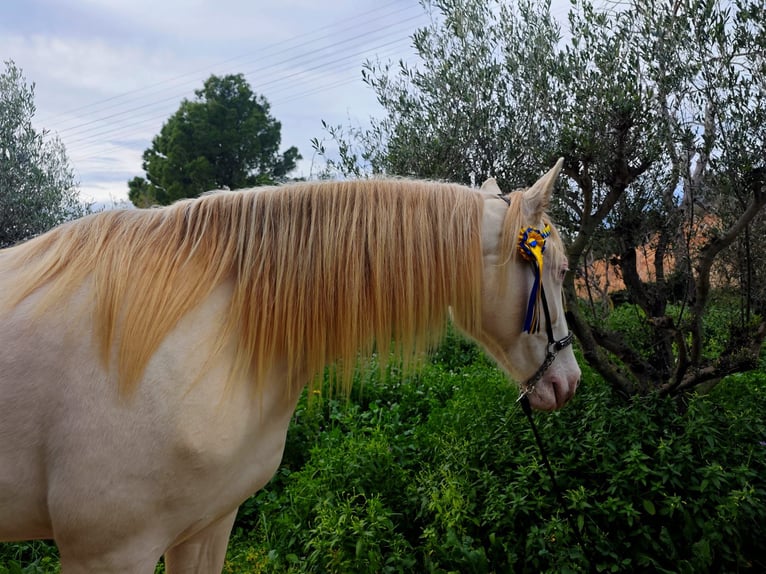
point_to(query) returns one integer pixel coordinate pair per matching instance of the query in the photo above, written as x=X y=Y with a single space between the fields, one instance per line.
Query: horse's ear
x=490 y=186
x=538 y=197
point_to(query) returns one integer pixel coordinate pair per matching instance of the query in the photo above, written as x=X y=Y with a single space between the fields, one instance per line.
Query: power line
x=293 y=61
x=128 y=127
x=290 y=42
x=278 y=86
x=88 y=137
x=137 y=132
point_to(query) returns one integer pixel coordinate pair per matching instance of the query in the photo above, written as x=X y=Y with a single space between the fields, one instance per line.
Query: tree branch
x=643 y=370
x=708 y=254
x=736 y=360
x=580 y=327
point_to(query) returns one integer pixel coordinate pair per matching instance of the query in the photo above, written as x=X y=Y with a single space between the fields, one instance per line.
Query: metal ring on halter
x=553 y=349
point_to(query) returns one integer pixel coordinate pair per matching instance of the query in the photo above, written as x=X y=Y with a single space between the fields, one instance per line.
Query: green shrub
x=458 y=485
x=34 y=557
x=722 y=324
x=629 y=321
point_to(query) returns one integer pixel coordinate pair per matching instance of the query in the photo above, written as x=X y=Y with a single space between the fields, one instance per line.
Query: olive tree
x=658 y=109
x=37 y=185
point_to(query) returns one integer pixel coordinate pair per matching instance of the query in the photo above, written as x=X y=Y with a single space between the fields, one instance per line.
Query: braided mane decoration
x=531 y=248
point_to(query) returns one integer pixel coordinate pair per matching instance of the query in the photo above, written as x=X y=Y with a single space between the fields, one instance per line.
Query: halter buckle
x=553 y=349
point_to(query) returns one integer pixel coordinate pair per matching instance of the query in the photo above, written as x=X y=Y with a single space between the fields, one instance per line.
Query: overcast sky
x=108 y=73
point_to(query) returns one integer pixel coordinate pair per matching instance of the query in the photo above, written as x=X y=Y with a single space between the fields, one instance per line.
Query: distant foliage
x=37 y=186
x=35 y=557
x=224 y=138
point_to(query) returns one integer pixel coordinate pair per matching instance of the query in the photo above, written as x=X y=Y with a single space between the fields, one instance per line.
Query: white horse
x=151 y=360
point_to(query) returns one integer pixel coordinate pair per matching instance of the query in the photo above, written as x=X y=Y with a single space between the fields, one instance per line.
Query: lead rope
x=527 y=408
x=531 y=247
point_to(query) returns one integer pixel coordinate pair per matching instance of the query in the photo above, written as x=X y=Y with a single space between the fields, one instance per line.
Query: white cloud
x=223 y=22
x=108 y=73
x=86 y=65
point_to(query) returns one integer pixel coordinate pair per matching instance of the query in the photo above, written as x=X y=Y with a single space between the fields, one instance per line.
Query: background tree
x=37 y=185
x=225 y=138
x=658 y=108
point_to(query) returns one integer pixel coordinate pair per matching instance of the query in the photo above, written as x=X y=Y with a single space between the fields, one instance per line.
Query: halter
x=531 y=247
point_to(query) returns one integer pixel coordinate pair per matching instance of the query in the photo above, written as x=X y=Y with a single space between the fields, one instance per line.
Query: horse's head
x=523 y=322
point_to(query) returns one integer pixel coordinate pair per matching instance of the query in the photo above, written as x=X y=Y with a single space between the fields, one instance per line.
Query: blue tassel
x=531 y=248
x=532 y=320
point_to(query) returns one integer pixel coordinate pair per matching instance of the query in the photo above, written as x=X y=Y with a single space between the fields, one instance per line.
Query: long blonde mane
x=321 y=273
